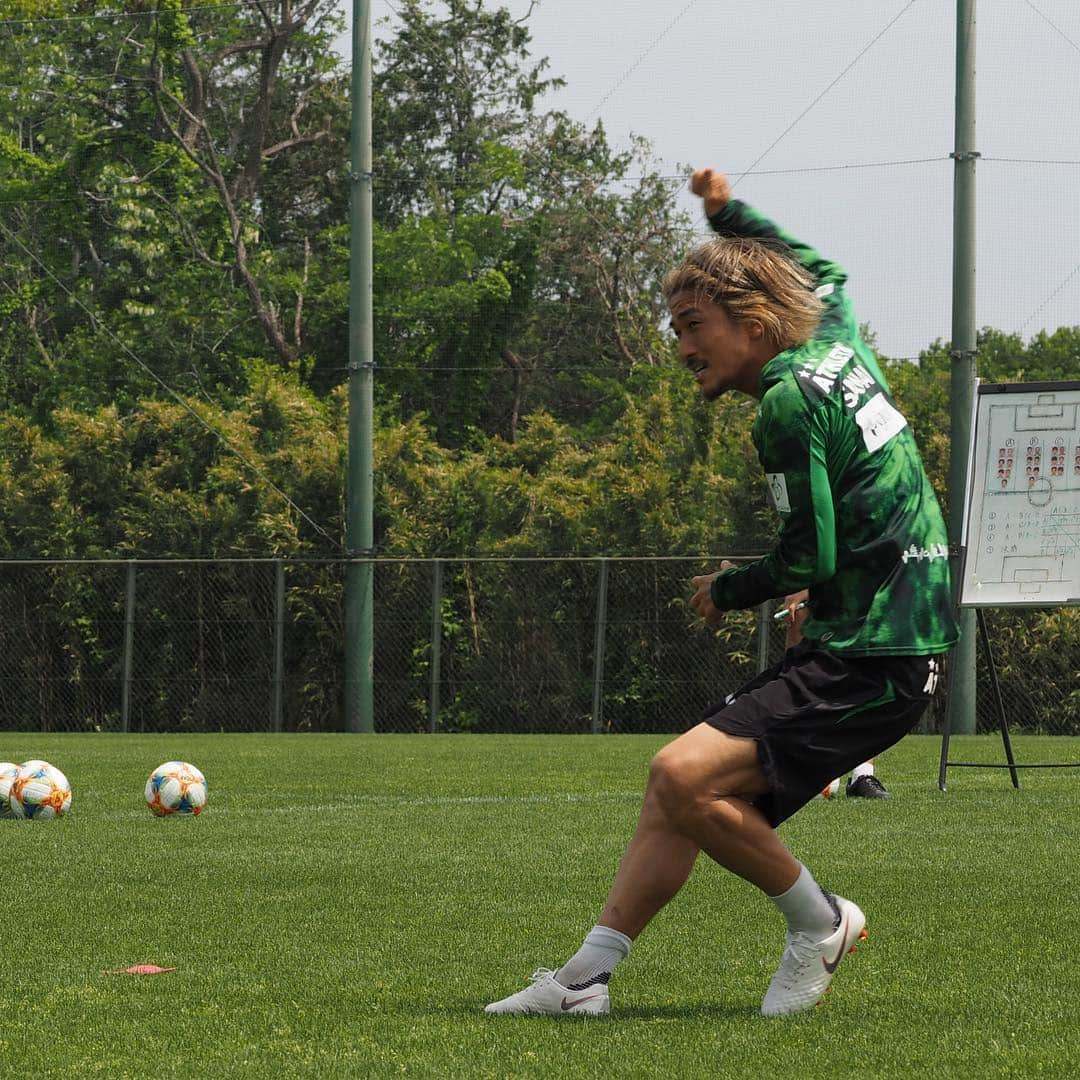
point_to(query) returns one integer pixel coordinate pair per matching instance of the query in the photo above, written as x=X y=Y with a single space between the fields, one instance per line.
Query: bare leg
x=654 y=867
x=696 y=800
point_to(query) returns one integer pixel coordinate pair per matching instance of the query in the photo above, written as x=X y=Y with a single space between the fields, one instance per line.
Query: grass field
x=346 y=905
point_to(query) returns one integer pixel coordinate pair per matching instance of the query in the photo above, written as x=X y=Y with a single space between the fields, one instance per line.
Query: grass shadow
x=688 y=1012
x=461 y=1010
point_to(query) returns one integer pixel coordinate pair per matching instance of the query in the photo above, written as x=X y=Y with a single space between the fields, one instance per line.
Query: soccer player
x=757 y=311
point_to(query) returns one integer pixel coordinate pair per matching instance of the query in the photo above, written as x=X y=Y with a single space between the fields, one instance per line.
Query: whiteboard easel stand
x=1003 y=724
x=987 y=392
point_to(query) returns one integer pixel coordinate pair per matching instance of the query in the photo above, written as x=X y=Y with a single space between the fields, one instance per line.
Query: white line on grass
x=359 y=801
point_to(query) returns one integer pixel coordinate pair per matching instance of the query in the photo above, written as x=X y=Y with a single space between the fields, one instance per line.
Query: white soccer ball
x=8 y=769
x=830 y=789
x=39 y=790
x=176 y=787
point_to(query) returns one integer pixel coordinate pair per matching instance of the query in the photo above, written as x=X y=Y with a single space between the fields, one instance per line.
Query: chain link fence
x=485 y=645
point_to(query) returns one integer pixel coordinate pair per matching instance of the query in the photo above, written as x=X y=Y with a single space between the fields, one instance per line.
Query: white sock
x=594 y=962
x=865 y=769
x=808 y=908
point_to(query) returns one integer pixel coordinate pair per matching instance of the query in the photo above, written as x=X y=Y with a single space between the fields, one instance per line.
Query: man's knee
x=688 y=776
x=677 y=784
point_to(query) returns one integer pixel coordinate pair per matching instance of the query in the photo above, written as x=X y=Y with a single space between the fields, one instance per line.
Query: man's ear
x=755 y=329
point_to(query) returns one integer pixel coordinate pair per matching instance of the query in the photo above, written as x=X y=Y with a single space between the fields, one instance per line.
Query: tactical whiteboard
x=1021 y=535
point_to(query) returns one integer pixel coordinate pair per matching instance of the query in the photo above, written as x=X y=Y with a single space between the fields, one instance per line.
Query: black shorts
x=817 y=714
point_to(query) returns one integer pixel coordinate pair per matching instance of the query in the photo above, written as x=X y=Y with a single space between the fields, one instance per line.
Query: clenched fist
x=713 y=187
x=702 y=601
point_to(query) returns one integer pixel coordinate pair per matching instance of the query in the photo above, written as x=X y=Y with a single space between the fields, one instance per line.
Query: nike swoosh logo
x=568 y=1005
x=830 y=968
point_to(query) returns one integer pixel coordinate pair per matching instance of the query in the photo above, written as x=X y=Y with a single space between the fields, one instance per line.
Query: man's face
x=721 y=354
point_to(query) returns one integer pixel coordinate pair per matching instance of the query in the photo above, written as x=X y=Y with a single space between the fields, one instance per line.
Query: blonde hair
x=752 y=279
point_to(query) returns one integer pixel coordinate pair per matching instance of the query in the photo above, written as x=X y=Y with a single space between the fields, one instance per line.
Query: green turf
x=346 y=905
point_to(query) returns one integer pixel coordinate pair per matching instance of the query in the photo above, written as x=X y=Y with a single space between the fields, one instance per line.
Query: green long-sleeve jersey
x=862 y=528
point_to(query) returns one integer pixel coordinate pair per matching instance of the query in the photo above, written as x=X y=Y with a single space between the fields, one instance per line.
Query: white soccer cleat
x=830 y=789
x=547 y=997
x=807 y=966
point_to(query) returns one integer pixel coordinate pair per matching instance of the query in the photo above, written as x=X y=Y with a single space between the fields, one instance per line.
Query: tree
x=609 y=234
x=451 y=96
x=224 y=104
x=136 y=206
x=517 y=256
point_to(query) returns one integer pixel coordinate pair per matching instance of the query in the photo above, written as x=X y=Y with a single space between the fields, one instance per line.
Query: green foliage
x=446 y=300
x=477 y=191
x=136 y=227
x=669 y=477
x=38 y=518
x=13 y=155
x=30 y=9
x=172 y=478
x=452 y=95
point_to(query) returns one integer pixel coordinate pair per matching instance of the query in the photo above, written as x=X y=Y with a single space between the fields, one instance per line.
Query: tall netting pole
x=359 y=575
x=962 y=387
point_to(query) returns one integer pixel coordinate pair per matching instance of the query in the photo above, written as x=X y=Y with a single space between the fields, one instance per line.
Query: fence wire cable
x=1046 y=19
x=881 y=33
x=640 y=60
x=1072 y=273
x=1031 y=161
x=388 y=180
x=223 y=439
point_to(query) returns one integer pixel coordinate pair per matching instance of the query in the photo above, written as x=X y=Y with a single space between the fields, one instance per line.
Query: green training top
x=862 y=528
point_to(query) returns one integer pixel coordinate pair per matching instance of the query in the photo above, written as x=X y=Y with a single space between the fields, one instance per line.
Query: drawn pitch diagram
x=1024 y=513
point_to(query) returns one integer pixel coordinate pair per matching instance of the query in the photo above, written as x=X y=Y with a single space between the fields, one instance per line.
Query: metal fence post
x=129 y=649
x=279 y=645
x=598 y=648
x=764 y=634
x=436 y=642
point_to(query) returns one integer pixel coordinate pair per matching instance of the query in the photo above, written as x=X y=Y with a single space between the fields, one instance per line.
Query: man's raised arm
x=732 y=217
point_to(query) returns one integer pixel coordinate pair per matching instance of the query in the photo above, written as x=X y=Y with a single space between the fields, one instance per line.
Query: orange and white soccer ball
x=176 y=787
x=39 y=790
x=8 y=770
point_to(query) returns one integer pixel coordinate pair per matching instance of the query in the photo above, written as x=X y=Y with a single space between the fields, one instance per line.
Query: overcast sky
x=842 y=113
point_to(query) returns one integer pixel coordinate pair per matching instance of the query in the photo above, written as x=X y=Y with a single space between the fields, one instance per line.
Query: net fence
x=536 y=645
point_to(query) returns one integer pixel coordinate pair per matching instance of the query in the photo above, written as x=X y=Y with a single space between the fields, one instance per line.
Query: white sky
x=717 y=82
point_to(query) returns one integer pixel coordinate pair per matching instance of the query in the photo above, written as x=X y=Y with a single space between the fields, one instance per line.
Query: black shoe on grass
x=866 y=787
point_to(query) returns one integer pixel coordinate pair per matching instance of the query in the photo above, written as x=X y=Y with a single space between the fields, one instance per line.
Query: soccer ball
x=176 y=788
x=830 y=789
x=39 y=790
x=8 y=769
